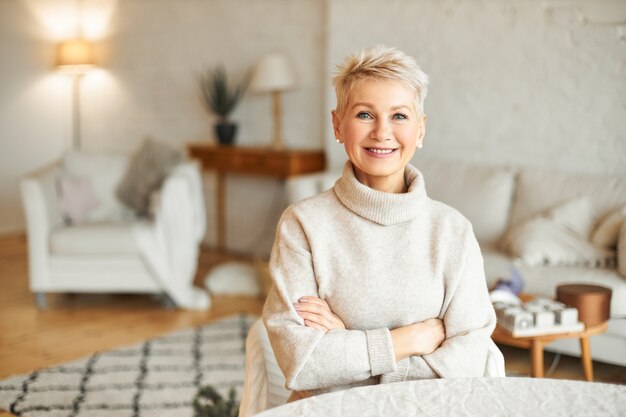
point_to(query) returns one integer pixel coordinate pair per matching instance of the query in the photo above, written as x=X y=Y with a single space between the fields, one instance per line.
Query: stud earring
x=419 y=146
x=338 y=140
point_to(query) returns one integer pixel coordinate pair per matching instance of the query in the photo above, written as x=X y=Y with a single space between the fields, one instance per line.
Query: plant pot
x=225 y=133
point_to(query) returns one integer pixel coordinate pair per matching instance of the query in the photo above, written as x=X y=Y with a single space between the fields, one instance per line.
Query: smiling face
x=380 y=130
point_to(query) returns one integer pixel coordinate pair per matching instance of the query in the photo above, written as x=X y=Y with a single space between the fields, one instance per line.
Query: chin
x=381 y=171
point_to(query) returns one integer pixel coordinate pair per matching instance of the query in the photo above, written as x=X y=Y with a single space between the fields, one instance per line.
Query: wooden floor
x=77 y=325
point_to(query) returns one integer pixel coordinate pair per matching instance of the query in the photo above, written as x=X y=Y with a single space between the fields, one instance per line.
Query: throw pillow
x=77 y=198
x=574 y=215
x=621 y=251
x=147 y=169
x=606 y=232
x=554 y=239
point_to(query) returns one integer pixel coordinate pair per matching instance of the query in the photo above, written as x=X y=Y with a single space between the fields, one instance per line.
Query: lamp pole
x=76 y=133
x=277 y=142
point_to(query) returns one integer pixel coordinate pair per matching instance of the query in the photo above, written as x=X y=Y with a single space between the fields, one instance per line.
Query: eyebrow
x=370 y=106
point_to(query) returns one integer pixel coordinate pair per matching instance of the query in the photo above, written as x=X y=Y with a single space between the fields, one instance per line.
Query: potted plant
x=219 y=98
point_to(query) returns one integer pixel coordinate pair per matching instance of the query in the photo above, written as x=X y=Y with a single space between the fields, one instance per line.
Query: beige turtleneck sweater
x=381 y=261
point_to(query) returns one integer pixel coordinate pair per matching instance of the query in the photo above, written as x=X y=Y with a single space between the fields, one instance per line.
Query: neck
x=393 y=183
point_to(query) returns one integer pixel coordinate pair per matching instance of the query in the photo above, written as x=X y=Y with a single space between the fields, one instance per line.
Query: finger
x=313 y=308
x=316 y=318
x=314 y=300
x=314 y=325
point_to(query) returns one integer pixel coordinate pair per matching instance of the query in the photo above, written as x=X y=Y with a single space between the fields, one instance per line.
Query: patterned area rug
x=159 y=377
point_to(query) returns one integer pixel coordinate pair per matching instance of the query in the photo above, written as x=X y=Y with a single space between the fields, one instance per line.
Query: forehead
x=381 y=93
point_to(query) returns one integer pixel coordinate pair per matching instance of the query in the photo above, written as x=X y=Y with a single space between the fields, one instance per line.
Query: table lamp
x=75 y=57
x=273 y=74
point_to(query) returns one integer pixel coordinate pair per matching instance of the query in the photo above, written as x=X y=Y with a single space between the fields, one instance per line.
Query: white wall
x=522 y=82
x=151 y=55
x=519 y=81
x=34 y=106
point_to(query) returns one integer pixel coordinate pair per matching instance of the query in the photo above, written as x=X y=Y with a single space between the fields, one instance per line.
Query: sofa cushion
x=77 y=198
x=539 y=189
x=100 y=239
x=482 y=194
x=607 y=230
x=145 y=173
x=558 y=237
x=621 y=251
x=543 y=280
x=104 y=171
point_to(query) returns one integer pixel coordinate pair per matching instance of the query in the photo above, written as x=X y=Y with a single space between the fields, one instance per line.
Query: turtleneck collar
x=380 y=207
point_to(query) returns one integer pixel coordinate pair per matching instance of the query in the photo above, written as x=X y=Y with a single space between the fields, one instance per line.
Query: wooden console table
x=267 y=162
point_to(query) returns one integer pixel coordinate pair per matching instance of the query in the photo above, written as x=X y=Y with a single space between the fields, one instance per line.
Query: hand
x=317 y=314
x=429 y=335
x=418 y=338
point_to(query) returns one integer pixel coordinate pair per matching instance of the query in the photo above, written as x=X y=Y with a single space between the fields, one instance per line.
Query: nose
x=382 y=130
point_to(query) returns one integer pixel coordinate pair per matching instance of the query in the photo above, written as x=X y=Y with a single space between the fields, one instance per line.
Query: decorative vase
x=225 y=132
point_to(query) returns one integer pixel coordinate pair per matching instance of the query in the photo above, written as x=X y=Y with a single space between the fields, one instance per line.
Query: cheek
x=408 y=135
x=354 y=132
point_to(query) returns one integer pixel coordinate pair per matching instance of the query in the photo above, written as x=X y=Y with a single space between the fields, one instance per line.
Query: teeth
x=380 y=150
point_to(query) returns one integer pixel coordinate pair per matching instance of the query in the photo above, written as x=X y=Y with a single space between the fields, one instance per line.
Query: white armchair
x=123 y=256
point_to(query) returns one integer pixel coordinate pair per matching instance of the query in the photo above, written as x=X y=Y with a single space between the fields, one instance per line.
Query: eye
x=364 y=115
x=399 y=116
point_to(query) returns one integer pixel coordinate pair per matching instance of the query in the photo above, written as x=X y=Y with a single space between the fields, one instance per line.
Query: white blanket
x=170 y=244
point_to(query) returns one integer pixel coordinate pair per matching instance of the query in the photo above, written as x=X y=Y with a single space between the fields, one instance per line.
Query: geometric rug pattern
x=159 y=377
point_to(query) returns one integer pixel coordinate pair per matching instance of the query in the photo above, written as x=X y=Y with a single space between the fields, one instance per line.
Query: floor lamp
x=75 y=57
x=273 y=75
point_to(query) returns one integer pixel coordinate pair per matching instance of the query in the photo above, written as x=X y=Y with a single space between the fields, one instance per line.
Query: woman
x=373 y=281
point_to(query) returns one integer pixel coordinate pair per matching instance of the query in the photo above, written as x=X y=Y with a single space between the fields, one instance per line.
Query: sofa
x=108 y=248
x=499 y=199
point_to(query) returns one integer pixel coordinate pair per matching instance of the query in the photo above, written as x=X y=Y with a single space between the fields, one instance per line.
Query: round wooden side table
x=536 y=344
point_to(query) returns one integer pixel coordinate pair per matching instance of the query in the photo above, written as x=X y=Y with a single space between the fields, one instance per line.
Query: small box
x=543 y=318
x=566 y=316
x=519 y=319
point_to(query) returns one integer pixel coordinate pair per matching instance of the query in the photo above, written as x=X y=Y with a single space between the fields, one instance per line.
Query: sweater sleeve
x=309 y=358
x=469 y=320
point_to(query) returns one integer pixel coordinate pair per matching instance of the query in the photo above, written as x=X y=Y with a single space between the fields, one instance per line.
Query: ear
x=422 y=131
x=336 y=124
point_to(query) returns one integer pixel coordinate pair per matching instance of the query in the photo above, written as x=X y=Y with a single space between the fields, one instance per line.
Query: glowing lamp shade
x=75 y=55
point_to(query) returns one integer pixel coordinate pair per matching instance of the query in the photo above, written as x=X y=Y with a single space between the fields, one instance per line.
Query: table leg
x=221 y=212
x=536 y=354
x=585 y=357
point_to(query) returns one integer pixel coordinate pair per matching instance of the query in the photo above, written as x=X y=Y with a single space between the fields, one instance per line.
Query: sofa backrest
x=105 y=171
x=481 y=193
x=309 y=185
x=539 y=190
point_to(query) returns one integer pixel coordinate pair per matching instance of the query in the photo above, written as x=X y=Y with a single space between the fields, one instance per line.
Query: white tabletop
x=478 y=397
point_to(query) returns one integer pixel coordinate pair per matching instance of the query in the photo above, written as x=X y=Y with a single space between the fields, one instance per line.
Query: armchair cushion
x=101 y=239
x=146 y=171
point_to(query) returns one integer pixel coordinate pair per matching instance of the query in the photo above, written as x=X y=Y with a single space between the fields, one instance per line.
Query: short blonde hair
x=379 y=63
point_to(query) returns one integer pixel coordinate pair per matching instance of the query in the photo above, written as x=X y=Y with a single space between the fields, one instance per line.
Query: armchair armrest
x=41 y=210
